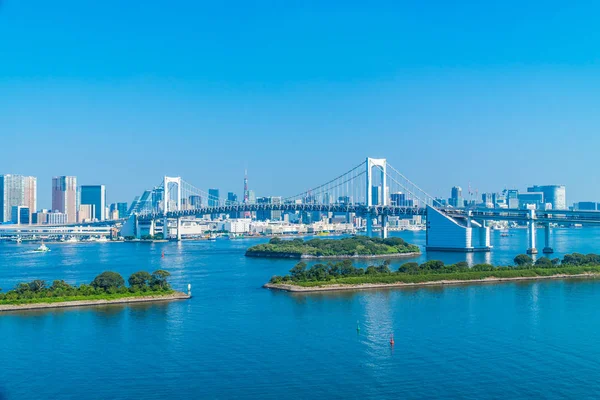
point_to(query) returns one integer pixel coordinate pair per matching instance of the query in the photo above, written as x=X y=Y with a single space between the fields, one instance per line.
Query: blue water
x=234 y=339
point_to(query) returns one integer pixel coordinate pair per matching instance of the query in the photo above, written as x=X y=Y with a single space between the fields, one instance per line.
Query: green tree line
x=107 y=284
x=350 y=246
x=334 y=271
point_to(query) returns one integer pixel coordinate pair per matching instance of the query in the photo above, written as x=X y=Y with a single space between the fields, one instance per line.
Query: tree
x=371 y=270
x=58 y=285
x=543 y=262
x=432 y=265
x=139 y=279
x=37 y=285
x=159 y=278
x=461 y=265
x=482 y=267
x=108 y=280
x=409 y=268
x=523 y=260
x=298 y=273
x=275 y=240
x=22 y=288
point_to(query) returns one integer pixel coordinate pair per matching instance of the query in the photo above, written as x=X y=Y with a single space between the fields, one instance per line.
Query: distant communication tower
x=246 y=193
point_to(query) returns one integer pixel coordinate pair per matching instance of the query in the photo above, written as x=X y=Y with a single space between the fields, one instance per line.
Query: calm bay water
x=234 y=339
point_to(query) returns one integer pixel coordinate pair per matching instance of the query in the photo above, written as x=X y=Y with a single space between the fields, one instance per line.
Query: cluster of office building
x=536 y=197
x=70 y=203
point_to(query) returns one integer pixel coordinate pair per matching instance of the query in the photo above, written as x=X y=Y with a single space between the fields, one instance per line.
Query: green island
x=107 y=288
x=349 y=247
x=344 y=275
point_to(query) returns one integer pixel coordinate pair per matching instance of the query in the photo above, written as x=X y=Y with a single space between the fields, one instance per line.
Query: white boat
x=42 y=249
x=72 y=239
x=102 y=239
x=18 y=239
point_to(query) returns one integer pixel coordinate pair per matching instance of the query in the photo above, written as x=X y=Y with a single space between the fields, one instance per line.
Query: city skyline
x=471 y=196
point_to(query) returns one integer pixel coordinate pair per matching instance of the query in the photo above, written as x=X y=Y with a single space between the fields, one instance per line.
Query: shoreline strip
x=367 y=286
x=87 y=303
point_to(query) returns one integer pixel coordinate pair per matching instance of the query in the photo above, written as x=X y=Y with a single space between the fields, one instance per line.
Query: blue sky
x=498 y=94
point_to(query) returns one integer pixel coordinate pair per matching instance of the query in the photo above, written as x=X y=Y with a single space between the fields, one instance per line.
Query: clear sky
x=498 y=94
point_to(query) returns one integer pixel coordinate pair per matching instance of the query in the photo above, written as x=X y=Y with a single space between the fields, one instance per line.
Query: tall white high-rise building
x=17 y=191
x=64 y=196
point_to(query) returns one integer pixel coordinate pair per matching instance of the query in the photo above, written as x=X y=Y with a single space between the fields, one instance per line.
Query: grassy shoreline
x=366 y=286
x=83 y=301
x=343 y=275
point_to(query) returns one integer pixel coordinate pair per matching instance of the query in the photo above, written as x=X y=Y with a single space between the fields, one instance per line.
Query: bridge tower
x=169 y=193
x=381 y=168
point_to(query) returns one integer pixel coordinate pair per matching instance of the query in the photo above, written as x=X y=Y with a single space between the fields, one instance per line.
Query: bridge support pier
x=369 y=225
x=384 y=227
x=547 y=248
x=166 y=228
x=179 y=229
x=136 y=231
x=532 y=249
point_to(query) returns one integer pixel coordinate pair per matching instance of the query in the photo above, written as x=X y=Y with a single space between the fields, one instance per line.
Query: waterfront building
x=40 y=217
x=456 y=199
x=377 y=195
x=263 y=215
x=512 y=198
x=117 y=210
x=195 y=201
x=397 y=199
x=122 y=209
x=487 y=199
x=443 y=202
x=158 y=199
x=213 y=197
x=20 y=215
x=64 y=196
x=533 y=200
x=86 y=213
x=251 y=197
x=17 y=190
x=499 y=200
x=231 y=198
x=57 y=218
x=344 y=200
x=585 y=206
x=276 y=214
x=94 y=195
x=553 y=194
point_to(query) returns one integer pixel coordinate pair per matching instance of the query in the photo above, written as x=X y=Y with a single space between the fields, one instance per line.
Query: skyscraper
x=553 y=194
x=17 y=190
x=456 y=199
x=95 y=195
x=213 y=197
x=231 y=198
x=64 y=196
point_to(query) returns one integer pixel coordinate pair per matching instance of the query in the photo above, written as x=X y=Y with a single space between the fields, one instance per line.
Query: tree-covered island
x=349 y=247
x=105 y=288
x=344 y=275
